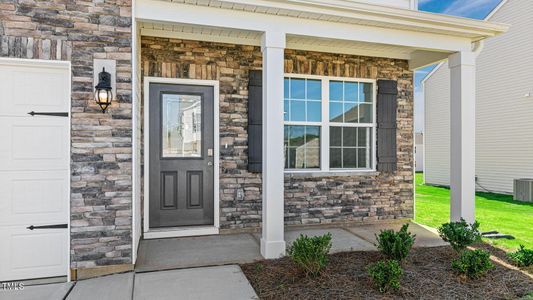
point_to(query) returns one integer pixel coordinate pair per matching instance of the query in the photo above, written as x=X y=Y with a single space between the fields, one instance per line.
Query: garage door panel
x=34 y=168
x=36 y=88
x=32 y=253
x=47 y=139
x=34 y=143
x=33 y=198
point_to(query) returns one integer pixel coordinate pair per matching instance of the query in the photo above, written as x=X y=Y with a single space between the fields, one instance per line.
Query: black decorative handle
x=56 y=226
x=53 y=114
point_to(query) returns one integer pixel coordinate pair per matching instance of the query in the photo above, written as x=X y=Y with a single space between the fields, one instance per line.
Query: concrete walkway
x=203 y=267
x=55 y=291
x=425 y=236
x=223 y=282
x=119 y=287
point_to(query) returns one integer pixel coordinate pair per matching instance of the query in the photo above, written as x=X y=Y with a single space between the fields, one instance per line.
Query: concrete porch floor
x=177 y=253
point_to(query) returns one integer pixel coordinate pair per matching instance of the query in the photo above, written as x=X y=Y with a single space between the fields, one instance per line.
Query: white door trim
x=189 y=230
x=59 y=64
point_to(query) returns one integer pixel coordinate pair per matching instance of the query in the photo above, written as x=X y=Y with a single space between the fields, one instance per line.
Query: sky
x=475 y=9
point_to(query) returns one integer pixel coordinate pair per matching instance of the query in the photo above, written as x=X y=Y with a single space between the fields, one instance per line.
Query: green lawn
x=493 y=211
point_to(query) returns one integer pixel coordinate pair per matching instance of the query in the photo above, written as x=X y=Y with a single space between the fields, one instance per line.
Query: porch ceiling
x=248 y=37
x=201 y=33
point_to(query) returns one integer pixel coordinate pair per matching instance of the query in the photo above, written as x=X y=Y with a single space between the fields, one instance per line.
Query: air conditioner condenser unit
x=523 y=189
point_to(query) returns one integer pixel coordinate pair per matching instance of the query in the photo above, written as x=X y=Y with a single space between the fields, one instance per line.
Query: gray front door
x=181 y=155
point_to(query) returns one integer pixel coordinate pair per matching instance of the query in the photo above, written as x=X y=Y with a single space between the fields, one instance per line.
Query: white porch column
x=272 y=241
x=462 y=138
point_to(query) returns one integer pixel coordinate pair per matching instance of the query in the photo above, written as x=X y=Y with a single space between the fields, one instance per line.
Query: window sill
x=333 y=173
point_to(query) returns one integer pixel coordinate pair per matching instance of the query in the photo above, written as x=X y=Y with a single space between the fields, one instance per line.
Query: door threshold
x=170 y=232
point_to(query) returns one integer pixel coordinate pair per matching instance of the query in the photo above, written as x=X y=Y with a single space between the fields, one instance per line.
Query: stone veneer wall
x=308 y=199
x=101 y=189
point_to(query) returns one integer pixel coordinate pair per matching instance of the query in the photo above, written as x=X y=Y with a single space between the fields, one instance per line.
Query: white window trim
x=325 y=124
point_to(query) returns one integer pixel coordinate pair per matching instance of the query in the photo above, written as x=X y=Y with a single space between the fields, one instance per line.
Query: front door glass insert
x=182 y=126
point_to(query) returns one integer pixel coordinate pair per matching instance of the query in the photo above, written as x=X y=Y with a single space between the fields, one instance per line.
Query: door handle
x=210 y=163
x=56 y=226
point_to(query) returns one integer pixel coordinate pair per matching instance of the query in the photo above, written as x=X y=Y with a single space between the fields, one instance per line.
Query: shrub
x=311 y=253
x=386 y=275
x=473 y=263
x=460 y=234
x=522 y=257
x=259 y=267
x=395 y=245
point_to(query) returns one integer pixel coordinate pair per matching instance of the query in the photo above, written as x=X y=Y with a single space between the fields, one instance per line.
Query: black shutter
x=387 y=106
x=255 y=121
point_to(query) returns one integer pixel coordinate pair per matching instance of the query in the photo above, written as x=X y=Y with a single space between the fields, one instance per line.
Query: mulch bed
x=427 y=275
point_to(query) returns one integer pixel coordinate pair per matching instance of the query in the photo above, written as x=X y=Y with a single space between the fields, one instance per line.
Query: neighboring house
x=504 y=107
x=419 y=152
x=79 y=188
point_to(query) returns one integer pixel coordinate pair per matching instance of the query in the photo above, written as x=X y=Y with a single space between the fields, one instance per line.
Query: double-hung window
x=329 y=123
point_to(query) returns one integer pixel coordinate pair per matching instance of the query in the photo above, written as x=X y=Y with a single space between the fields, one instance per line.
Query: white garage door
x=34 y=169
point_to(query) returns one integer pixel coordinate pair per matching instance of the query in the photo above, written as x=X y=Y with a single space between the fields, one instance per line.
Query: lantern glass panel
x=104 y=96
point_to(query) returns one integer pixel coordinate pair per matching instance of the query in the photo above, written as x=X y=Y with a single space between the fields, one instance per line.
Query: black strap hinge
x=53 y=114
x=56 y=226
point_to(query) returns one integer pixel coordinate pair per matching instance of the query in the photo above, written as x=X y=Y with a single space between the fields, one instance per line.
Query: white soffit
x=353 y=12
x=247 y=37
x=348 y=47
x=201 y=33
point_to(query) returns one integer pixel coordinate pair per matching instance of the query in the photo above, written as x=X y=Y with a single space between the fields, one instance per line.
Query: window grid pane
x=302 y=147
x=350 y=102
x=354 y=149
x=303 y=100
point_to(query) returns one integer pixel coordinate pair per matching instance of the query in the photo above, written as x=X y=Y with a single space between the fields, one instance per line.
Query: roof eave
x=388 y=16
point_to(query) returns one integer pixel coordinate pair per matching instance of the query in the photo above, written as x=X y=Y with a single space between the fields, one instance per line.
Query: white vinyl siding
x=437 y=127
x=504 y=137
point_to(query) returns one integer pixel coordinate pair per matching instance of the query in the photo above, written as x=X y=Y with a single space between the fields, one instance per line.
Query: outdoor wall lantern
x=103 y=95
